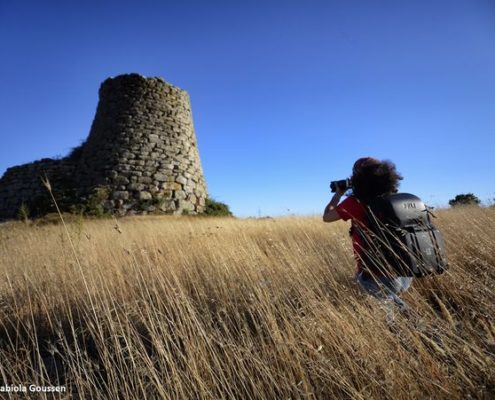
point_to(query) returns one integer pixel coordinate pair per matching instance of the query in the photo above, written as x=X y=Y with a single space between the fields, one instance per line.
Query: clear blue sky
x=285 y=94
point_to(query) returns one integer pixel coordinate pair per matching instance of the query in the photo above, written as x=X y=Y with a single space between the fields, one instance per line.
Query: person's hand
x=339 y=192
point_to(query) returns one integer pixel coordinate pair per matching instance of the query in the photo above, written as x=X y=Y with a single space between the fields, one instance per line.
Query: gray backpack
x=400 y=238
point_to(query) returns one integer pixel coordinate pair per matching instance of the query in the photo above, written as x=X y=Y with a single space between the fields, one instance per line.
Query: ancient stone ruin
x=141 y=156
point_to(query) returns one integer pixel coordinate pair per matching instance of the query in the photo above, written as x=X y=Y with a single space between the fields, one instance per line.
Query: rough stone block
x=160 y=177
x=168 y=205
x=192 y=198
x=135 y=186
x=153 y=138
x=120 y=195
x=185 y=205
x=145 y=179
x=180 y=195
x=144 y=195
x=167 y=194
x=180 y=179
x=171 y=186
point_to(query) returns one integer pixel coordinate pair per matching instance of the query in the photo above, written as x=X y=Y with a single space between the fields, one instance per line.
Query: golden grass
x=191 y=308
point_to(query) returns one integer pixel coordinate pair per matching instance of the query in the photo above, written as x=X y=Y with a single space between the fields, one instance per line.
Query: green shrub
x=68 y=202
x=24 y=212
x=144 y=205
x=464 y=200
x=94 y=203
x=43 y=204
x=216 y=208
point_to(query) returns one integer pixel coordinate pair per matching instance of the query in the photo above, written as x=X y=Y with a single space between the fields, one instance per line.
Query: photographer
x=370 y=178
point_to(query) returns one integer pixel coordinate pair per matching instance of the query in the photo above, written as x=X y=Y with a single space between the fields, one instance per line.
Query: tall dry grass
x=190 y=308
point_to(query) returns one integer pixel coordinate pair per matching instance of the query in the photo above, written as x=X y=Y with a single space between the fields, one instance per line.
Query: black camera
x=343 y=185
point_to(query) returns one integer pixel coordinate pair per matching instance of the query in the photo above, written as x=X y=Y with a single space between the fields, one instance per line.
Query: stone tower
x=142 y=146
x=141 y=152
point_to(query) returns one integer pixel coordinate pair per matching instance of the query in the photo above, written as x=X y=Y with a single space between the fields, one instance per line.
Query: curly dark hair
x=372 y=177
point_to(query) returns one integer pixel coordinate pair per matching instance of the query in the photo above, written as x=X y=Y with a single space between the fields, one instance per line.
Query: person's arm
x=330 y=214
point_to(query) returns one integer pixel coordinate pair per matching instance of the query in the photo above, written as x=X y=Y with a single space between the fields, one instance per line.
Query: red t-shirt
x=351 y=208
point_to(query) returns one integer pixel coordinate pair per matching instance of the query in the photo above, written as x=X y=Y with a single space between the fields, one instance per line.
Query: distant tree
x=216 y=208
x=464 y=200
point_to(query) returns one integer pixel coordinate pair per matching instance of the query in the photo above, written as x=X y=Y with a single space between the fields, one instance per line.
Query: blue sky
x=285 y=94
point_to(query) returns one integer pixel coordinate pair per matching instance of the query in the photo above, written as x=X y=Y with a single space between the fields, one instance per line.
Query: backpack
x=400 y=239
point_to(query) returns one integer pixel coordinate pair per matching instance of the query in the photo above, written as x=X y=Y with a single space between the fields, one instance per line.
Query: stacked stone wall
x=23 y=184
x=141 y=148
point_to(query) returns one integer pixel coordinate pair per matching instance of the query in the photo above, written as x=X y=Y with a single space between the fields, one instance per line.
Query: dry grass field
x=219 y=308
